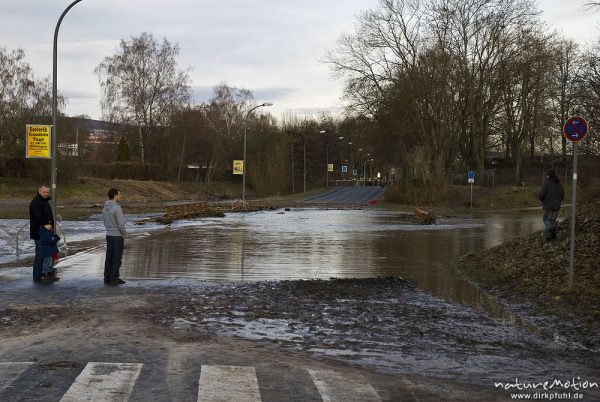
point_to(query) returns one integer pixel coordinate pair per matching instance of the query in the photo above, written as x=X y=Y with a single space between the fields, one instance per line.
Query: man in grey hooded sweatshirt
x=114 y=222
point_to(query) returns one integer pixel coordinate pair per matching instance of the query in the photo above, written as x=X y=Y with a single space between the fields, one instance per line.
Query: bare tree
x=588 y=95
x=141 y=84
x=23 y=99
x=225 y=115
x=569 y=68
x=526 y=85
x=429 y=73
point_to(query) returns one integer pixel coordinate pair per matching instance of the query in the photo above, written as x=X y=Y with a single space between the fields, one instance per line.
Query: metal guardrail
x=59 y=230
x=17 y=239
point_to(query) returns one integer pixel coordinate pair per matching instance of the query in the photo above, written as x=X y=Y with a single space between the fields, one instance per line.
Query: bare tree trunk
x=182 y=156
x=141 y=144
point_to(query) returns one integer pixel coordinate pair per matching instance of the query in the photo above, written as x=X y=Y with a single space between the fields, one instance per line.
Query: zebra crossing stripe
x=100 y=382
x=10 y=371
x=228 y=383
x=335 y=387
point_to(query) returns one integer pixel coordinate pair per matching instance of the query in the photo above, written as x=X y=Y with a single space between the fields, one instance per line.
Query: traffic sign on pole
x=471 y=176
x=575 y=128
x=471 y=180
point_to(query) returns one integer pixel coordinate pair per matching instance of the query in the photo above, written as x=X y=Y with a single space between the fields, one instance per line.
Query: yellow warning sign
x=38 y=141
x=330 y=167
x=238 y=167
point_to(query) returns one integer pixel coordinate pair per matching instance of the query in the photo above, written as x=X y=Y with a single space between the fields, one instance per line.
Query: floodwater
x=314 y=243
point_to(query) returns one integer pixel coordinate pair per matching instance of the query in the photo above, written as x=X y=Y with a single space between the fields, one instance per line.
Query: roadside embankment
x=532 y=272
x=78 y=199
x=81 y=198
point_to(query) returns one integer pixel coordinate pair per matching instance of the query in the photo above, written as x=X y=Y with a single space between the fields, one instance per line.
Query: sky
x=273 y=48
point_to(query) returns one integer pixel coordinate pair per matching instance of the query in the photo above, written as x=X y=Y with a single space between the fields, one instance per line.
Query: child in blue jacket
x=49 y=239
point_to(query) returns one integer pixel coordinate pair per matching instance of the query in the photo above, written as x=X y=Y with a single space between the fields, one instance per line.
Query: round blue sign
x=575 y=129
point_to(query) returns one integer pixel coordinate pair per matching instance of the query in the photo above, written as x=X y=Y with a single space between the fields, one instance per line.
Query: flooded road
x=224 y=279
x=314 y=244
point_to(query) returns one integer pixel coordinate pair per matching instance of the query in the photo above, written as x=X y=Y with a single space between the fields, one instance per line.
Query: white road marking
x=10 y=371
x=104 y=382
x=228 y=383
x=335 y=387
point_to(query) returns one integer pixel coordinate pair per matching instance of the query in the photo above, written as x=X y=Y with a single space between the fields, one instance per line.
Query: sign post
x=471 y=179
x=574 y=130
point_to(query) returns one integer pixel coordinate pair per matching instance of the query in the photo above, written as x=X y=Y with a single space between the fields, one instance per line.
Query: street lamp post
x=326 y=160
x=365 y=171
x=351 y=161
x=304 y=163
x=304 y=167
x=244 y=161
x=341 y=159
x=327 y=165
x=54 y=110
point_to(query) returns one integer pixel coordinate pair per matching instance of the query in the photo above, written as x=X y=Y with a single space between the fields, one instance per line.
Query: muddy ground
x=383 y=325
x=531 y=275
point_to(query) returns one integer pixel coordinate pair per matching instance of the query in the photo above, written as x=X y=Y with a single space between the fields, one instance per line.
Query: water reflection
x=311 y=243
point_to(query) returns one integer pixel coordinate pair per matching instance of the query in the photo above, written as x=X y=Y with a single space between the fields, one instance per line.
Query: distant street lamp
x=365 y=171
x=304 y=167
x=54 y=111
x=244 y=162
x=326 y=160
x=304 y=163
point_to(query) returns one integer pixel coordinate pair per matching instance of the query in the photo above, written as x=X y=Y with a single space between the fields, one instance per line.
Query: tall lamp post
x=54 y=110
x=326 y=160
x=365 y=171
x=341 y=161
x=304 y=167
x=244 y=162
x=304 y=163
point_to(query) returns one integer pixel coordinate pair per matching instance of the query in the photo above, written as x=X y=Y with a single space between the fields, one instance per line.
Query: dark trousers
x=38 y=261
x=114 y=253
x=550 y=223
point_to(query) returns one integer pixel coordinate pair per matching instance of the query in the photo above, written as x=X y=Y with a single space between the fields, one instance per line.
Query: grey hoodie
x=114 y=221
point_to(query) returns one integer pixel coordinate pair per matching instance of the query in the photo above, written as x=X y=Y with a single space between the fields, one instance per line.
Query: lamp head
x=267 y=104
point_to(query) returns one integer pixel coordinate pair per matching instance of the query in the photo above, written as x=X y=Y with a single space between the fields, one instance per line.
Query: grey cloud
x=203 y=93
x=76 y=94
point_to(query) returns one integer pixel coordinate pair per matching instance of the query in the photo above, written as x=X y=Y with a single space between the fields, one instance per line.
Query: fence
x=508 y=177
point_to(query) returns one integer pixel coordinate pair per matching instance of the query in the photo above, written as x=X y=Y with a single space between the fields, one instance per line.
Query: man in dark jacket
x=40 y=214
x=551 y=195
